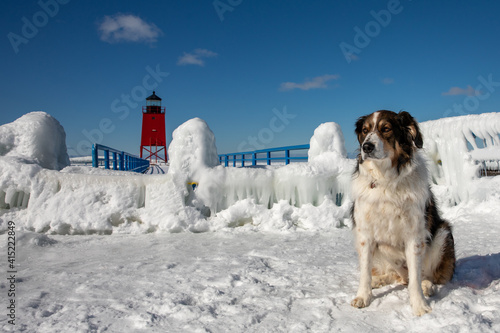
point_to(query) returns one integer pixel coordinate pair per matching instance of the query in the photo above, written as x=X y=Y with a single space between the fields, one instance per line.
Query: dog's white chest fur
x=389 y=208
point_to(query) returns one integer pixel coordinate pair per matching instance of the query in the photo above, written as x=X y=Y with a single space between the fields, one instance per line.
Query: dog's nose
x=368 y=147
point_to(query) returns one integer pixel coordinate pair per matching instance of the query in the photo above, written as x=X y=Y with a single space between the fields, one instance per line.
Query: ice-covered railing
x=121 y=160
x=270 y=156
x=460 y=147
x=194 y=159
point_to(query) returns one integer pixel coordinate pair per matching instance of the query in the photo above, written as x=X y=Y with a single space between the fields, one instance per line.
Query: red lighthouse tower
x=153 y=139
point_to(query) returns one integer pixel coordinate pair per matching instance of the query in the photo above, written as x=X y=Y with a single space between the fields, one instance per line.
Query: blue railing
x=256 y=156
x=121 y=160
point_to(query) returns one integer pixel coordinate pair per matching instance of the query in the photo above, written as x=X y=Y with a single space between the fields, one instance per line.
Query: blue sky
x=260 y=73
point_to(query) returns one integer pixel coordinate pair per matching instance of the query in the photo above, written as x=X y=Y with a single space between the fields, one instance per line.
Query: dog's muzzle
x=368 y=147
x=373 y=147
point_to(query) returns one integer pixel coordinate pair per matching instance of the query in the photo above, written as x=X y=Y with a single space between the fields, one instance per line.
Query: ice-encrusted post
x=455 y=157
x=192 y=149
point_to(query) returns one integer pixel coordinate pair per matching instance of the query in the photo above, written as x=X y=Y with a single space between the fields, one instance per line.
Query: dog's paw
x=428 y=288
x=378 y=282
x=421 y=308
x=360 y=302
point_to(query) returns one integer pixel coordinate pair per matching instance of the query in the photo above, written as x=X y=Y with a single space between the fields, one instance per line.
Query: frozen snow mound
x=457 y=148
x=328 y=137
x=192 y=149
x=37 y=137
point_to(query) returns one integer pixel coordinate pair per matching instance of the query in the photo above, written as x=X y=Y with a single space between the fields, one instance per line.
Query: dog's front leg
x=365 y=251
x=414 y=251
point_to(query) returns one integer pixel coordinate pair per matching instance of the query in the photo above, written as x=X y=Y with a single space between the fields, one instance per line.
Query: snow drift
x=36 y=137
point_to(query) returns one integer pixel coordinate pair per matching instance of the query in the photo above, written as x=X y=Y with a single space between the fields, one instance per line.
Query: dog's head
x=386 y=134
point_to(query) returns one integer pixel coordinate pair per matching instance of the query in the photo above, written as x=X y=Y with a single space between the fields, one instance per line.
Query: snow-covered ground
x=242 y=280
x=249 y=250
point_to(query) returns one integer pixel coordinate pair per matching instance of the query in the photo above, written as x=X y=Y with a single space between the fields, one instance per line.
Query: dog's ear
x=411 y=127
x=359 y=126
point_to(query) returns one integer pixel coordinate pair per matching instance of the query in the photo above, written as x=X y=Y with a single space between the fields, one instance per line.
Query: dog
x=399 y=235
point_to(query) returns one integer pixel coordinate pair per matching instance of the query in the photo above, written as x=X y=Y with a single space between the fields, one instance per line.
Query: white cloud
x=127 y=28
x=387 y=80
x=469 y=91
x=197 y=57
x=318 y=82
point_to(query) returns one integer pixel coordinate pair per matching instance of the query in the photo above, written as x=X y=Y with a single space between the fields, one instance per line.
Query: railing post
x=95 y=155
x=121 y=161
x=106 y=159
x=286 y=150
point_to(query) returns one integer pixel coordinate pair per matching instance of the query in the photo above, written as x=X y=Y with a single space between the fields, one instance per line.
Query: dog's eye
x=386 y=130
x=365 y=130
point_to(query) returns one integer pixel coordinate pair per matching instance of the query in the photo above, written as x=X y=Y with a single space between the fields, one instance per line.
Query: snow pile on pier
x=35 y=137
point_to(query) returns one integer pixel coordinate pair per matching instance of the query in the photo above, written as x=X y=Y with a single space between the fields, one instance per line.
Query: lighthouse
x=153 y=139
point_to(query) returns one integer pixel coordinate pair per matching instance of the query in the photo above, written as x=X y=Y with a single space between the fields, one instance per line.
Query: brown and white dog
x=399 y=234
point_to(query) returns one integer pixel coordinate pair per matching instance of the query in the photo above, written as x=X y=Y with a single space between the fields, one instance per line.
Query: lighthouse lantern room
x=153 y=138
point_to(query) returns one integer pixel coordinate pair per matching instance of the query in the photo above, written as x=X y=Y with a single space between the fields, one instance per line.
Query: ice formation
x=328 y=138
x=36 y=137
x=456 y=157
x=80 y=200
x=325 y=177
x=192 y=149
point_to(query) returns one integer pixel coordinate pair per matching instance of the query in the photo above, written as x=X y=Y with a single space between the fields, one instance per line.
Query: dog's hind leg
x=389 y=268
x=428 y=288
x=379 y=280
